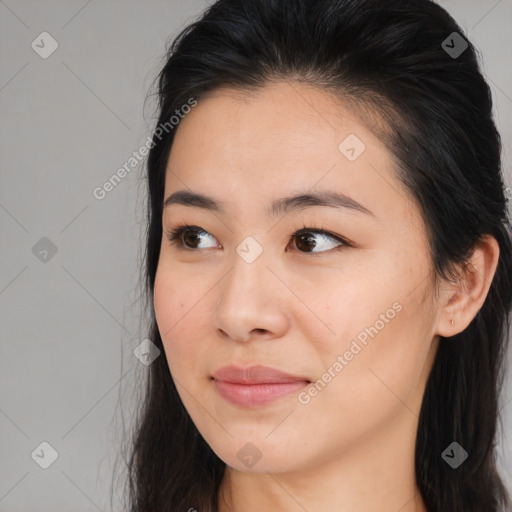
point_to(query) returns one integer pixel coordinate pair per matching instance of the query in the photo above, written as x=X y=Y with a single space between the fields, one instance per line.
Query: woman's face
x=354 y=322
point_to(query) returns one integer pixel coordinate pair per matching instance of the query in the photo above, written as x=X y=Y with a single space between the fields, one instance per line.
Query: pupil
x=193 y=236
x=309 y=240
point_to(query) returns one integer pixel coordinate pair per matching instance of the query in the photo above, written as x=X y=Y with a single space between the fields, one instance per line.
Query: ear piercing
x=451 y=321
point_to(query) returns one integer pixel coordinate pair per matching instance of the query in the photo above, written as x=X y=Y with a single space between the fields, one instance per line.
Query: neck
x=375 y=474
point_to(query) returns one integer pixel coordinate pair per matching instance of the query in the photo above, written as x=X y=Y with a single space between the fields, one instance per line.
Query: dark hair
x=433 y=111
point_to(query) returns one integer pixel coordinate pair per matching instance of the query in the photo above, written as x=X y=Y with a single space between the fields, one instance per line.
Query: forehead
x=286 y=137
x=280 y=120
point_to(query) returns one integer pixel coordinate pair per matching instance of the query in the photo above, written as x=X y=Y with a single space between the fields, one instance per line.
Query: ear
x=461 y=301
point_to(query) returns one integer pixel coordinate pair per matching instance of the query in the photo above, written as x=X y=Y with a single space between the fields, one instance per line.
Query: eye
x=187 y=237
x=311 y=238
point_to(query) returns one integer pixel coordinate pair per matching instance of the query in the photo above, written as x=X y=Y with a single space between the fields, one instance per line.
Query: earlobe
x=449 y=322
x=468 y=294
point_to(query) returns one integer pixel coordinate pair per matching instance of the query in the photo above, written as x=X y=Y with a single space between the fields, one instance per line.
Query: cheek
x=380 y=331
x=178 y=311
x=384 y=348
x=169 y=303
x=175 y=294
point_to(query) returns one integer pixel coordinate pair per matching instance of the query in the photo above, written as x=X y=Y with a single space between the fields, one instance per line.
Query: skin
x=351 y=447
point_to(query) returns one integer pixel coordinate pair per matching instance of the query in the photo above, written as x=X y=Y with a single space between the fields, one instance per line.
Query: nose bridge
x=246 y=302
x=249 y=266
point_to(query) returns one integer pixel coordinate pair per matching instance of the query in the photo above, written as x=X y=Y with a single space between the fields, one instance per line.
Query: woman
x=328 y=264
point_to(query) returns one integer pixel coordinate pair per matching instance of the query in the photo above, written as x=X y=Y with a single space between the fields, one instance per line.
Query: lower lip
x=252 y=395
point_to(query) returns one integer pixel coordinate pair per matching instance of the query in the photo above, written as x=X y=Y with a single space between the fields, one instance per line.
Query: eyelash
x=174 y=238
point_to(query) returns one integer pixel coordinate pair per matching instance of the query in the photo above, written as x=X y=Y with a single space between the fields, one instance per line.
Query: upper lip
x=256 y=374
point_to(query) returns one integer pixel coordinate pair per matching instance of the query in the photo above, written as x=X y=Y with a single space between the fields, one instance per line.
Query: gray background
x=69 y=325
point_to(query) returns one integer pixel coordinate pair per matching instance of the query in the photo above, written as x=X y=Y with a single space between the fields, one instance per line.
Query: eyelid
x=321 y=231
x=174 y=236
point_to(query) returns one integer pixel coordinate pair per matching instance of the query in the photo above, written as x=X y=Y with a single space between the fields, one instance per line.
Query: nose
x=251 y=302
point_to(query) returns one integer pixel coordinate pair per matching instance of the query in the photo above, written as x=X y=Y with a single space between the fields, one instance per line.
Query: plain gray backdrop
x=69 y=296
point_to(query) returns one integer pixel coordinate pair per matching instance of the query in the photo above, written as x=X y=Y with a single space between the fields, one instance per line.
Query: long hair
x=390 y=60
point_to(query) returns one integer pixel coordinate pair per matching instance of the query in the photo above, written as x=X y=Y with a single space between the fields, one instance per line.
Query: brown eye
x=190 y=237
x=187 y=237
x=307 y=239
x=305 y=242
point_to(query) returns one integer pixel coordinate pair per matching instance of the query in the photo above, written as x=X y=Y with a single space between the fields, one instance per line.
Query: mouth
x=255 y=385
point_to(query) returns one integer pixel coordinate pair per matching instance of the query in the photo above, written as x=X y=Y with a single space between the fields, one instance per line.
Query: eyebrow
x=279 y=206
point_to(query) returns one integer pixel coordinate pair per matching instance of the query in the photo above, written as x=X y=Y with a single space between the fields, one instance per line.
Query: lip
x=255 y=385
x=256 y=374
